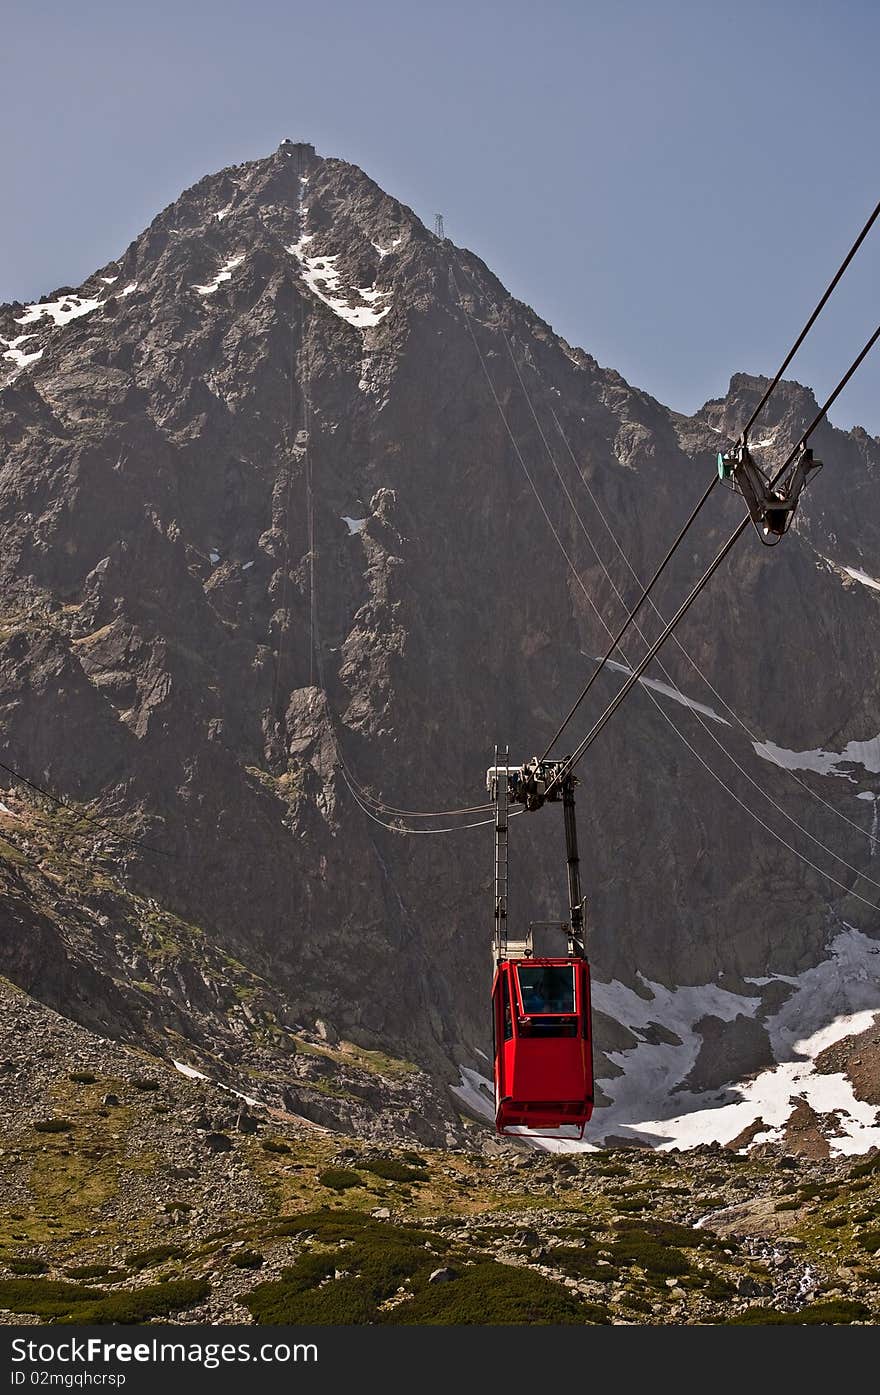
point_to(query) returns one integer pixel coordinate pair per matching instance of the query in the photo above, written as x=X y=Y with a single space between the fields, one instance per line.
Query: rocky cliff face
x=268 y=498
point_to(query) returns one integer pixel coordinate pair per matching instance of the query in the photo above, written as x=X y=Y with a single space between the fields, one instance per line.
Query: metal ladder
x=499 y=793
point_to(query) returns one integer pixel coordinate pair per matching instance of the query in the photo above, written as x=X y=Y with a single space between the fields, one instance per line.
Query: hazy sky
x=670 y=184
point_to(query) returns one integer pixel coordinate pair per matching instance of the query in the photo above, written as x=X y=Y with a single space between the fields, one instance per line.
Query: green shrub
x=496 y=1294
x=638 y=1247
x=392 y=1170
x=378 y=1259
x=46 y=1297
x=717 y=1288
x=148 y=1259
x=864 y=1169
x=299 y=1297
x=671 y=1233
x=338 y=1179
x=870 y=1241
x=632 y=1301
x=248 y=1259
x=331 y=1226
x=275 y=1145
x=82 y=1077
x=793 y=1205
x=484 y=1233
x=75 y=1303
x=837 y=1310
x=93 y=1271
x=140 y=1304
x=143 y=1082
x=28 y=1266
x=381 y=1257
x=53 y=1126
x=580 y=1263
x=810 y=1190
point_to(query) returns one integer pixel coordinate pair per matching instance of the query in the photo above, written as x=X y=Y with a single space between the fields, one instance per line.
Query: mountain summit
x=302 y=513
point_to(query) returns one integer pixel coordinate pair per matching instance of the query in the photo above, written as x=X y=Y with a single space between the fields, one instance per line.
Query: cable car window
x=546 y=988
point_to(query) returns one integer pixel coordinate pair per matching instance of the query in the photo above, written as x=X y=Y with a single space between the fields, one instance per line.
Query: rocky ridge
x=186 y=647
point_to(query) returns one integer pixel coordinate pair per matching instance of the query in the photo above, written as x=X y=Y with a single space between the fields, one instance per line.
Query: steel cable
x=612 y=707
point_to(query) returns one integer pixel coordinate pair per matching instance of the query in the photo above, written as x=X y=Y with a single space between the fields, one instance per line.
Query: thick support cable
x=813 y=318
x=832 y=285
x=705 y=725
x=412 y=832
x=632 y=614
x=711 y=569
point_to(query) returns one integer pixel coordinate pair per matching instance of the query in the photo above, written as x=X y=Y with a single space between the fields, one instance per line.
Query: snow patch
x=355 y=525
x=192 y=1074
x=214 y=556
x=224 y=274
x=386 y=251
x=864 y=753
x=863 y=578
x=18 y=356
x=665 y=689
x=189 y=1071
x=473 y=1093
x=62 y=310
x=246 y=566
x=323 y=280
x=127 y=290
x=223 y=212
x=837 y=998
x=108 y=280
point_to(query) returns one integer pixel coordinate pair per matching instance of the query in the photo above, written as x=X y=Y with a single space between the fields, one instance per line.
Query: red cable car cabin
x=543 y=1046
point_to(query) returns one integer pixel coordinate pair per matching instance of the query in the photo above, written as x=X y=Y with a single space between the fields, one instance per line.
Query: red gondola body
x=543 y=1046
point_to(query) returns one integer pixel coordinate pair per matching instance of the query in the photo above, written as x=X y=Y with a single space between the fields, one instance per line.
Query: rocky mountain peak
x=302 y=512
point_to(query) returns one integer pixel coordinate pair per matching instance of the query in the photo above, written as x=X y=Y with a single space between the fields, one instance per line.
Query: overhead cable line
x=396 y=828
x=646 y=592
x=378 y=805
x=675 y=689
x=756 y=740
x=710 y=571
x=613 y=643
x=102 y=824
x=832 y=285
x=772 y=831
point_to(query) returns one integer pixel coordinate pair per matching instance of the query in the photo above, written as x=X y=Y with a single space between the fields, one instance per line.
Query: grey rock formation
x=260 y=508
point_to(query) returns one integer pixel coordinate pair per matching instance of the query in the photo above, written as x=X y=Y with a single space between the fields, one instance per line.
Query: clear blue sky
x=669 y=183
